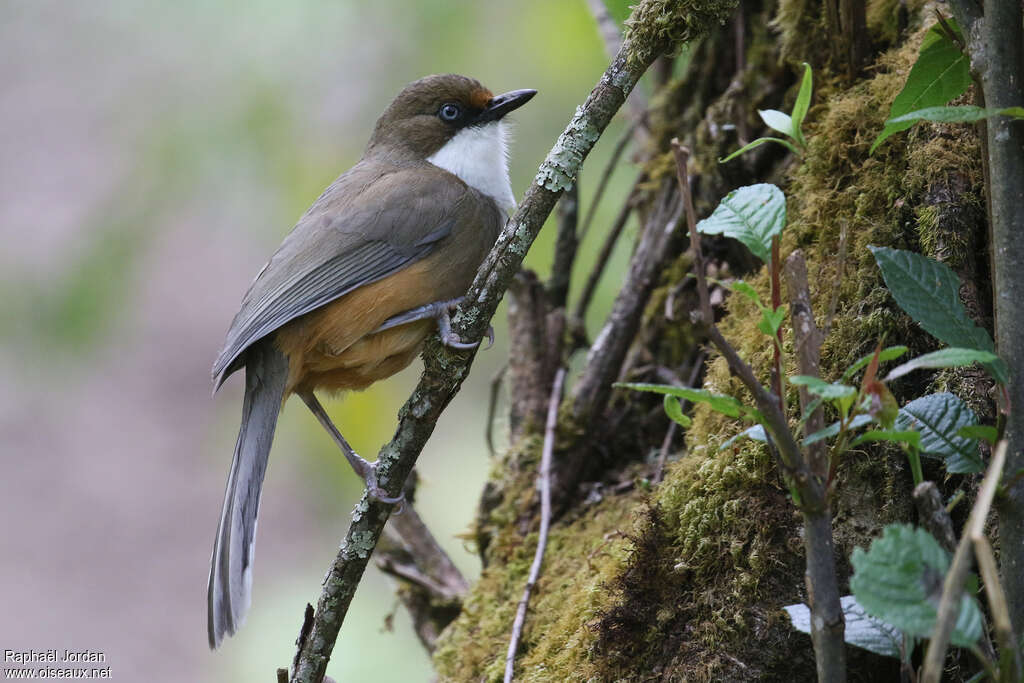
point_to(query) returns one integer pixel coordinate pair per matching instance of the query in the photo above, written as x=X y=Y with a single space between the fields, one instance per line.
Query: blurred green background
x=153 y=156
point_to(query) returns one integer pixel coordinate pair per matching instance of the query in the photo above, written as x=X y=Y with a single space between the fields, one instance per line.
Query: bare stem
x=953 y=586
x=827 y=624
x=808 y=339
x=544 y=481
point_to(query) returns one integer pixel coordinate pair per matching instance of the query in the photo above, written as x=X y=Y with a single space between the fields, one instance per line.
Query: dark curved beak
x=503 y=104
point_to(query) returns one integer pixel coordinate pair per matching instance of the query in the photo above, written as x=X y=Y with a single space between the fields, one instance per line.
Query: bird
x=370 y=271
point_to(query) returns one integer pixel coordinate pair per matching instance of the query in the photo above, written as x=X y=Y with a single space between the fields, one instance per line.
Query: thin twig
x=605 y=254
x=953 y=586
x=666 y=446
x=544 y=481
x=606 y=26
x=698 y=363
x=566 y=243
x=1009 y=659
x=492 y=407
x=611 y=36
x=606 y=176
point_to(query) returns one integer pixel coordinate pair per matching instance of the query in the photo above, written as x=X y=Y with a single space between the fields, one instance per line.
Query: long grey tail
x=266 y=372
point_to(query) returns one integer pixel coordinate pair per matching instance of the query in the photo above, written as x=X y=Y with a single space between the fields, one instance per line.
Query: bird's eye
x=450 y=111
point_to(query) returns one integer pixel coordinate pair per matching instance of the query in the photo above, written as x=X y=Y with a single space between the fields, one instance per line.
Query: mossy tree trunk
x=681 y=573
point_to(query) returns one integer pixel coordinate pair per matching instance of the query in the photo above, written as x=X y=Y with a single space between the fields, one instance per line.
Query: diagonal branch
x=652 y=33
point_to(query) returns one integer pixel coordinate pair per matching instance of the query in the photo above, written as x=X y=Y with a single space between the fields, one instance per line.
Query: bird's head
x=433 y=111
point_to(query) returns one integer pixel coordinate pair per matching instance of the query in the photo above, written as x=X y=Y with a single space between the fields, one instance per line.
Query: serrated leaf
x=727 y=405
x=952 y=357
x=940 y=74
x=862 y=630
x=833 y=429
x=899 y=580
x=777 y=121
x=939 y=419
x=674 y=409
x=888 y=353
x=755 y=433
x=820 y=387
x=757 y=143
x=930 y=294
x=802 y=104
x=967 y=113
x=752 y=215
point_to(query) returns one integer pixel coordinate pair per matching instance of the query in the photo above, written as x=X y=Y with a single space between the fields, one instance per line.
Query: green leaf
x=802 y=104
x=820 y=387
x=771 y=320
x=979 y=432
x=674 y=409
x=757 y=143
x=908 y=436
x=939 y=419
x=756 y=433
x=899 y=580
x=777 y=121
x=930 y=294
x=952 y=357
x=727 y=405
x=862 y=630
x=741 y=287
x=889 y=353
x=752 y=215
x=967 y=113
x=941 y=73
x=833 y=429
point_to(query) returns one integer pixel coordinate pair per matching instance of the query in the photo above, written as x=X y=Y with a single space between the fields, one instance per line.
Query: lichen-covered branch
x=445 y=369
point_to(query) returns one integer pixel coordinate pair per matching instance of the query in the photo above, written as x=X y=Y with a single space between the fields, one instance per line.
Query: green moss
x=582 y=560
x=658 y=27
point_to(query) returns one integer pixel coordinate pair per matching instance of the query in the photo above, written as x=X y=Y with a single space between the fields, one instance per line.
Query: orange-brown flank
x=334 y=347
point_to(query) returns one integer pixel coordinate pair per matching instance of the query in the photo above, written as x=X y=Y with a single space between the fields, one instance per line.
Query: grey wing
x=324 y=258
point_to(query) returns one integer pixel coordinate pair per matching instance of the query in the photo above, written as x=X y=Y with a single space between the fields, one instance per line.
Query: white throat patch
x=478 y=155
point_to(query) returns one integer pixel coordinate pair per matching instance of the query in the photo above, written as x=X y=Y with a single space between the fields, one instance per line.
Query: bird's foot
x=440 y=311
x=368 y=471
